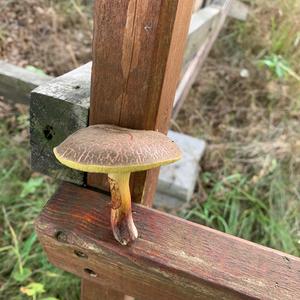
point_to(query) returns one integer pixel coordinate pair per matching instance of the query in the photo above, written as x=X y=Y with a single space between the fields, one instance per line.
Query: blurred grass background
x=245 y=104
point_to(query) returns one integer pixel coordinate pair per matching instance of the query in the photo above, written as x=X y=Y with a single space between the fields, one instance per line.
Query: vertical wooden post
x=138 y=50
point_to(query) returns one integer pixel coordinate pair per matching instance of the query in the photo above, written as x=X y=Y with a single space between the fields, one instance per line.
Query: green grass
x=22 y=196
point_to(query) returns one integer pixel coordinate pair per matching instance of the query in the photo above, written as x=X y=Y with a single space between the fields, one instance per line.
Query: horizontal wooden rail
x=173 y=258
x=239 y=10
x=16 y=83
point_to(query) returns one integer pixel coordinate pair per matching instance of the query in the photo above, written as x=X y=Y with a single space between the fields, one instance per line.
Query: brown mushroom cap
x=109 y=148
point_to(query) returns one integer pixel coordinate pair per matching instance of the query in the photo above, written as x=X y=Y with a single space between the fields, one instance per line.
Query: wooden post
x=194 y=65
x=138 y=50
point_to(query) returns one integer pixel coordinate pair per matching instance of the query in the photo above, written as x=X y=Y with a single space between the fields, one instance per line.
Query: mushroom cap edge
x=90 y=168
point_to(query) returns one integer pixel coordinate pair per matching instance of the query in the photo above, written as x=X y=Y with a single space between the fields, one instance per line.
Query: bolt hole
x=90 y=272
x=80 y=254
x=61 y=236
x=77 y=87
x=48 y=132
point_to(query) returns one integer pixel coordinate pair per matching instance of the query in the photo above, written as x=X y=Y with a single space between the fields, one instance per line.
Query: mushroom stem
x=122 y=224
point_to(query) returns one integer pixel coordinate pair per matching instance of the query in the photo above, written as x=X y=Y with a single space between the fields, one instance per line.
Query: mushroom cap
x=113 y=149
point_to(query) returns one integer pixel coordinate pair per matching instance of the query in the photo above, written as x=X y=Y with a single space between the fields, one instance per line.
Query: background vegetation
x=245 y=104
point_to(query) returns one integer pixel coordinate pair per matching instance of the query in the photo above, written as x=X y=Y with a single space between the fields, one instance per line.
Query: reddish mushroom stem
x=122 y=223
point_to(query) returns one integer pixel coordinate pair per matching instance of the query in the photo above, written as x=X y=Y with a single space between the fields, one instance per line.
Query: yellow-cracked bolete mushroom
x=117 y=152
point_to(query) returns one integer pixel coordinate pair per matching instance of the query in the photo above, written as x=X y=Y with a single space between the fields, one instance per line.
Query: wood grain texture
x=172 y=259
x=138 y=49
x=91 y=291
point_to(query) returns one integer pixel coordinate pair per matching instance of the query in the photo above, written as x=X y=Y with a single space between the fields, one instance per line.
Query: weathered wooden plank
x=202 y=23
x=135 y=73
x=195 y=65
x=16 y=83
x=57 y=109
x=172 y=259
x=90 y=291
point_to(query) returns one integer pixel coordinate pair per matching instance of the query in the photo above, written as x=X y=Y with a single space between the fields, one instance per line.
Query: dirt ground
x=54 y=36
